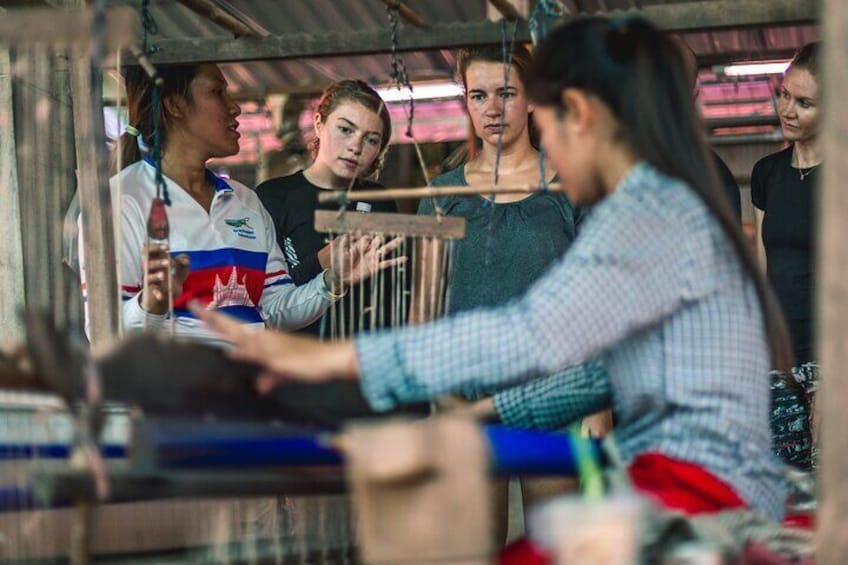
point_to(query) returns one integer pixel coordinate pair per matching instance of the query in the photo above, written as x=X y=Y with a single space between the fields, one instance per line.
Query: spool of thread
x=158 y=228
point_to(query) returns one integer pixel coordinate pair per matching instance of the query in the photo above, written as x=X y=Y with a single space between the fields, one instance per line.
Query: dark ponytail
x=177 y=82
x=640 y=74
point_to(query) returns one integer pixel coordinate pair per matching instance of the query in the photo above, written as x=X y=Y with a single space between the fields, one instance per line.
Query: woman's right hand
x=158 y=267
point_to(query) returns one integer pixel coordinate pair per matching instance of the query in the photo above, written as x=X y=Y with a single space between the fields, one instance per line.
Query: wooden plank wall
x=291 y=529
x=46 y=161
x=832 y=543
x=11 y=252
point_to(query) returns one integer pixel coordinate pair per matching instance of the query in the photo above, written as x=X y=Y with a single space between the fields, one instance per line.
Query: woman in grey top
x=511 y=239
x=659 y=284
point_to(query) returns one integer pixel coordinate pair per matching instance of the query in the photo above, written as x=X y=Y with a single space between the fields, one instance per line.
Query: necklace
x=804 y=173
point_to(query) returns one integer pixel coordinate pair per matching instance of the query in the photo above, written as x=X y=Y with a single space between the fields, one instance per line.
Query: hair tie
x=133 y=131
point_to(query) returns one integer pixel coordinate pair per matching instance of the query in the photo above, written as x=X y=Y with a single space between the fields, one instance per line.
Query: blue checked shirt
x=652 y=295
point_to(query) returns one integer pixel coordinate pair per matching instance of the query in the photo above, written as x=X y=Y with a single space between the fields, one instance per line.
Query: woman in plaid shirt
x=658 y=296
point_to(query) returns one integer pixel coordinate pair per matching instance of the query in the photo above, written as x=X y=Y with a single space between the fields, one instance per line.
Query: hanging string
x=156 y=150
x=399 y=71
x=538 y=24
x=421 y=162
x=506 y=51
x=401 y=77
x=506 y=54
x=148 y=26
x=158 y=227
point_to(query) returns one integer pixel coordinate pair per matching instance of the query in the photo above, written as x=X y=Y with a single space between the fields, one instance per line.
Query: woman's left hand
x=356 y=259
x=283 y=356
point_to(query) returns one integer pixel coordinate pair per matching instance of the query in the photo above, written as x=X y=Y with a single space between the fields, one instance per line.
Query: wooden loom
x=418 y=290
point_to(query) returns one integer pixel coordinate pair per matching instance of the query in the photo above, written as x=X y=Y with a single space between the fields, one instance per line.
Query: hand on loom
x=355 y=259
x=283 y=356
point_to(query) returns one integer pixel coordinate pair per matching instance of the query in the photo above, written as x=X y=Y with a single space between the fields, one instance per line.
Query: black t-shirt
x=788 y=223
x=292 y=201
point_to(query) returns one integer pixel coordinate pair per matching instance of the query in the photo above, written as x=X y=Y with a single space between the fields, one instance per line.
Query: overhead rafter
x=34 y=25
x=408 y=14
x=215 y=13
x=675 y=17
x=508 y=11
x=727 y=57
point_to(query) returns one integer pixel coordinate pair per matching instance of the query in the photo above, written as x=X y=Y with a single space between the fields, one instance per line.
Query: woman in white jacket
x=221 y=249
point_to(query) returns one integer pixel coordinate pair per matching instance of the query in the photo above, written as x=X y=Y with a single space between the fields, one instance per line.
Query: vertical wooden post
x=832 y=541
x=97 y=234
x=64 y=281
x=45 y=180
x=11 y=250
x=39 y=139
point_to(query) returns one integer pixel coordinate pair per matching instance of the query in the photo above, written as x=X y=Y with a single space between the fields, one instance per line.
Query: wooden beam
x=674 y=17
x=52 y=26
x=214 y=13
x=408 y=14
x=507 y=10
x=11 y=246
x=98 y=235
x=832 y=319
x=726 y=57
x=417 y=192
x=410 y=225
x=303 y=45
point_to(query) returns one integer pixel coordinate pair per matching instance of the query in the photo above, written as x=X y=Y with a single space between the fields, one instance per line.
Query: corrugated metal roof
x=722 y=98
x=254 y=79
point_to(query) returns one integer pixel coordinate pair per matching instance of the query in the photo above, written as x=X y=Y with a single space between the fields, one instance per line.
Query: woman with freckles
x=352 y=132
x=783 y=186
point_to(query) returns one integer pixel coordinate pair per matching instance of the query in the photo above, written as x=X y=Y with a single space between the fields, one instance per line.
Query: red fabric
x=524 y=552
x=682 y=486
x=806 y=521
